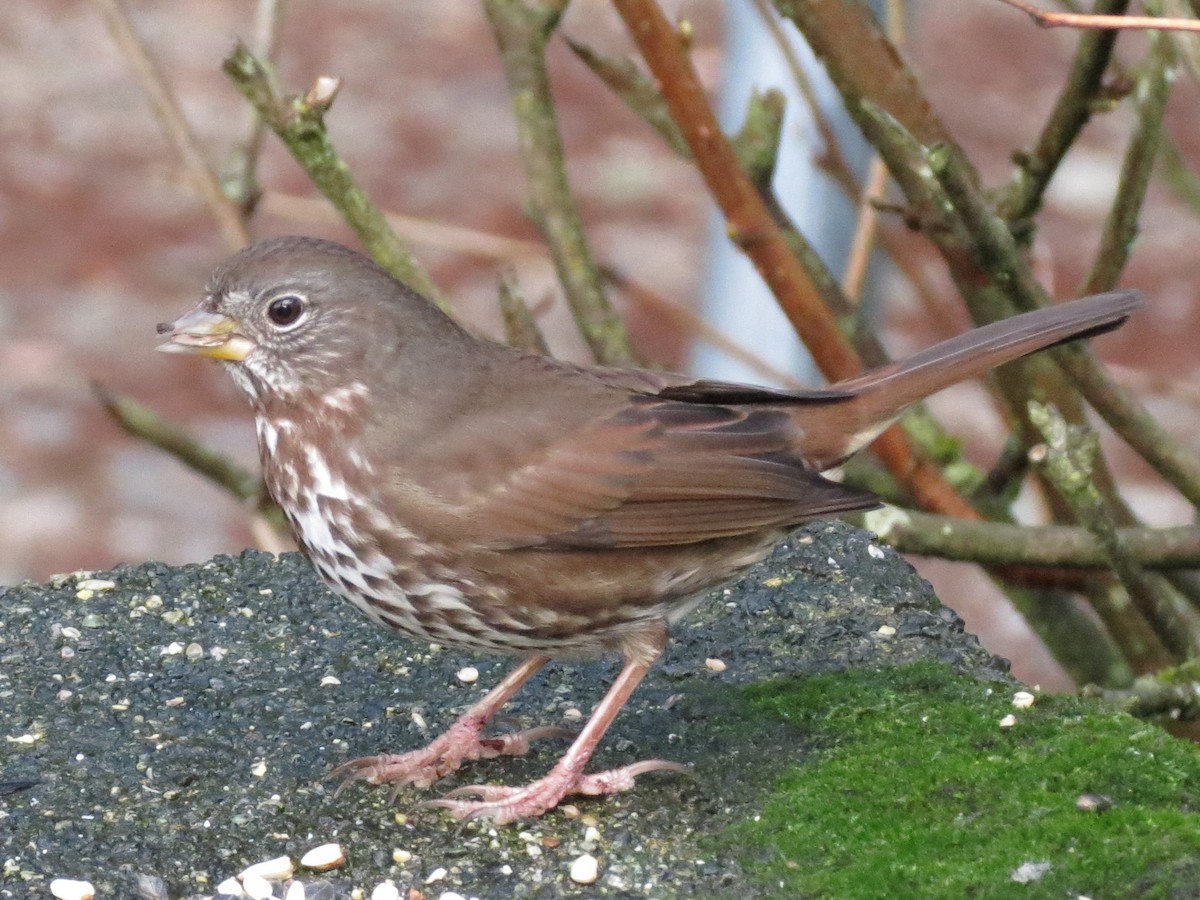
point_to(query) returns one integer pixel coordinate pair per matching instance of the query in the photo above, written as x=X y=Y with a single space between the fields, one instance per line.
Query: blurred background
x=101 y=237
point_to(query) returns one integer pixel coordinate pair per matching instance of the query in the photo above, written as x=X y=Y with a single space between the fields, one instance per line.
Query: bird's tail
x=877 y=398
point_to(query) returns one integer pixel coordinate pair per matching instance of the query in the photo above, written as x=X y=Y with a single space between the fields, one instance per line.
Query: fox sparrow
x=463 y=492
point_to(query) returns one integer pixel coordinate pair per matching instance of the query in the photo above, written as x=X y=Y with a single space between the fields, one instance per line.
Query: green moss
x=915 y=790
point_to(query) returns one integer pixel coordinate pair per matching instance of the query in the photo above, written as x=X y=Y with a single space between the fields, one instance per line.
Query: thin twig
x=174 y=124
x=866 y=229
x=756 y=148
x=698 y=327
x=832 y=158
x=417 y=231
x=1187 y=47
x=243 y=174
x=522 y=29
x=862 y=245
x=639 y=93
x=1129 y=418
x=1178 y=176
x=520 y=327
x=1048 y=19
x=267 y=524
x=1074 y=108
x=299 y=123
x=1143 y=628
x=1150 y=94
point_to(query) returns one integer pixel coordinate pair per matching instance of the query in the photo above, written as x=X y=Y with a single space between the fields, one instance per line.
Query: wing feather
x=662 y=473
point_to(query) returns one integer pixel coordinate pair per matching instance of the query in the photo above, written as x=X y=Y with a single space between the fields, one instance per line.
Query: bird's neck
x=294 y=427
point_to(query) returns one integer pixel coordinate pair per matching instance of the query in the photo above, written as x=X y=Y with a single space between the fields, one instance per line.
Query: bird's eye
x=286 y=310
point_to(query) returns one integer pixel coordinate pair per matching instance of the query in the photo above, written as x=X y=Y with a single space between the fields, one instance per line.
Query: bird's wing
x=662 y=472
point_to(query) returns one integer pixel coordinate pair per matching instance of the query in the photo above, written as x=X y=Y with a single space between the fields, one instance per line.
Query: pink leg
x=505 y=804
x=460 y=743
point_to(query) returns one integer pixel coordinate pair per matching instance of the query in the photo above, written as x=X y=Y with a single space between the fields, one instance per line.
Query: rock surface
x=176 y=727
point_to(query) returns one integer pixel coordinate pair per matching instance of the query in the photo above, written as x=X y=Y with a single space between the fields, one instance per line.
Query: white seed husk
x=71 y=889
x=276 y=869
x=585 y=869
x=327 y=856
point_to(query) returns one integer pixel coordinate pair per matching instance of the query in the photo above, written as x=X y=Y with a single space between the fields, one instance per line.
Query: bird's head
x=292 y=316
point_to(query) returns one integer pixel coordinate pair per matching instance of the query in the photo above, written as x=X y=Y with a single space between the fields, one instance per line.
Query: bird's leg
x=505 y=804
x=460 y=743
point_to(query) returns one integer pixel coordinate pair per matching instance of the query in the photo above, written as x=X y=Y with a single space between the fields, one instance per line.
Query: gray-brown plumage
x=464 y=492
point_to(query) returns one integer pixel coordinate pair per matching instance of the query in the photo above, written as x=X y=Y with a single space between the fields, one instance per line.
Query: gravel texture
x=164 y=732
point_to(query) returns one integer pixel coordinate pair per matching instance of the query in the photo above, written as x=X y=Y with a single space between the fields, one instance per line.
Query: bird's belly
x=408 y=589
x=562 y=604
x=434 y=594
x=482 y=620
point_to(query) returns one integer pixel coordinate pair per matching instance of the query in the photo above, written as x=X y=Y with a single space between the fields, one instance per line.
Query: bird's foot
x=507 y=804
x=461 y=742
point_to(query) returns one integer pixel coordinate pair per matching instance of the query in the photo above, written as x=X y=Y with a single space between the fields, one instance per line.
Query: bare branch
x=1071 y=452
x=1003 y=544
x=1150 y=96
x=748 y=220
x=173 y=123
x=640 y=93
x=866 y=230
x=752 y=226
x=242 y=169
x=522 y=29
x=1071 y=112
x=299 y=123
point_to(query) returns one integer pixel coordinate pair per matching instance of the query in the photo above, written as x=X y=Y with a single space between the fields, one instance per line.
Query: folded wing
x=665 y=472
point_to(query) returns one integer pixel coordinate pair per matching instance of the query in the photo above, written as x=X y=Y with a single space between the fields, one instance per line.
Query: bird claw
x=504 y=804
x=445 y=754
x=420 y=768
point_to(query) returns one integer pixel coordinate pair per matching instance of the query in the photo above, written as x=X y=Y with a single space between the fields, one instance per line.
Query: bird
x=464 y=492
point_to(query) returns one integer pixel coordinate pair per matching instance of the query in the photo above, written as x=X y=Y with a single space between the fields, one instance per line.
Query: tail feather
x=881 y=395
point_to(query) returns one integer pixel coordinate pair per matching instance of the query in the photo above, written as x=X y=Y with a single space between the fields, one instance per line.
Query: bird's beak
x=206 y=334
